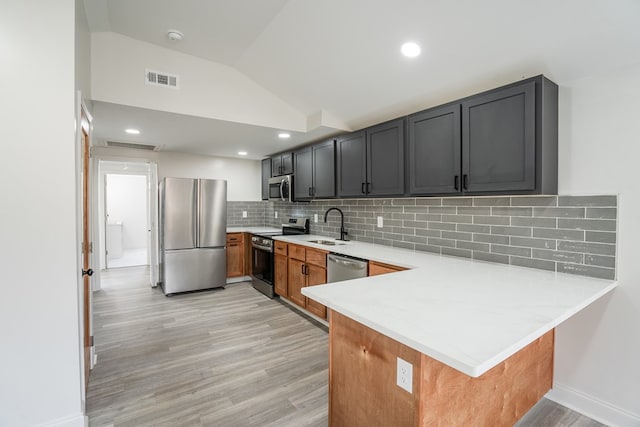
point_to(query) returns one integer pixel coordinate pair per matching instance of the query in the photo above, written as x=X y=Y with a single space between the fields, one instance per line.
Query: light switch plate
x=244 y=214
x=315 y=217
x=380 y=222
x=404 y=377
x=276 y=215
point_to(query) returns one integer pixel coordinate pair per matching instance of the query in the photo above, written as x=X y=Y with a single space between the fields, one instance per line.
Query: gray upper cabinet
x=351 y=164
x=282 y=164
x=498 y=140
x=324 y=169
x=315 y=171
x=433 y=159
x=503 y=141
x=371 y=162
x=385 y=159
x=304 y=174
x=266 y=174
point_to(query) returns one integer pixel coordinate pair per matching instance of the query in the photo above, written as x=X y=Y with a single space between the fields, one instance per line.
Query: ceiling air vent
x=159 y=78
x=132 y=145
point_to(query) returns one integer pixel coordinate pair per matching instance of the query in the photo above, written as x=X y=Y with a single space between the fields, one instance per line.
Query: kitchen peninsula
x=478 y=338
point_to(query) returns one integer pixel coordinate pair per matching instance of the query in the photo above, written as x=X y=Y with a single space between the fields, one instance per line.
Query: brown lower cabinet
x=363 y=391
x=235 y=255
x=376 y=268
x=280 y=266
x=304 y=267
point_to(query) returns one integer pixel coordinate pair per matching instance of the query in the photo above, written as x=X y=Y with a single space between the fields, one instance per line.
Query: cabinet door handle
x=302 y=266
x=311 y=191
x=363 y=190
x=465 y=181
x=455 y=183
x=368 y=187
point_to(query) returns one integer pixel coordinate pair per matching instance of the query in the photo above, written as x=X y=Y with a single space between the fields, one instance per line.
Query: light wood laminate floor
x=227 y=357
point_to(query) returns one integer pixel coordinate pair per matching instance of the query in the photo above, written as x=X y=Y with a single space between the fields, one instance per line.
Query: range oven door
x=262 y=268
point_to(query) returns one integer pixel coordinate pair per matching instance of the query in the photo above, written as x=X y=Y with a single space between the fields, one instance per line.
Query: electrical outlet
x=404 y=377
x=380 y=222
x=315 y=217
x=244 y=214
x=276 y=215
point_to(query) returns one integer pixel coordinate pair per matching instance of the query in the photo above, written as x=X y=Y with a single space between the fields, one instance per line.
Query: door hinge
x=91 y=341
x=90 y=247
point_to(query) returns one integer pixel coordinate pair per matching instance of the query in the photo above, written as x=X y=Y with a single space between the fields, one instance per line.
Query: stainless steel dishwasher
x=340 y=267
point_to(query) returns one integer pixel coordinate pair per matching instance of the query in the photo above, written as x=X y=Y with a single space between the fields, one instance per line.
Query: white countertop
x=470 y=315
x=255 y=230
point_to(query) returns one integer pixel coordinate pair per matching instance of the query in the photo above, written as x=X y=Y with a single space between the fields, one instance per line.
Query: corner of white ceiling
x=207 y=89
x=322 y=118
x=97 y=13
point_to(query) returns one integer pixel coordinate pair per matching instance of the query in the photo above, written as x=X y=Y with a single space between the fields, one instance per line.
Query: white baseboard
x=76 y=420
x=592 y=407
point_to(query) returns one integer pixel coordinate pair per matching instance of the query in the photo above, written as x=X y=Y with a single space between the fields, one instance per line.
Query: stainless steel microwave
x=281 y=188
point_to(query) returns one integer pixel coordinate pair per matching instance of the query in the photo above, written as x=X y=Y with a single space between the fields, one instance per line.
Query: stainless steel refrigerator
x=193 y=226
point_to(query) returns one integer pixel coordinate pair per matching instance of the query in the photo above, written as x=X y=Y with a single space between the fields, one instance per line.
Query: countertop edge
x=471 y=370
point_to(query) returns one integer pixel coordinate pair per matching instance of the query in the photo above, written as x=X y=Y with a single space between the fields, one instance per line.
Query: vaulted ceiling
x=342 y=56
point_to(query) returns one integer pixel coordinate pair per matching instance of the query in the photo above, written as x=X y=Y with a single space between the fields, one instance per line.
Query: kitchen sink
x=326 y=242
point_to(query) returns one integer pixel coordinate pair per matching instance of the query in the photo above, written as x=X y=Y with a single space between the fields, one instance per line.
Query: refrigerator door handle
x=197 y=214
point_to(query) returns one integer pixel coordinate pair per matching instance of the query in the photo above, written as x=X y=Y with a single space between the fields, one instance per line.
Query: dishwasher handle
x=356 y=265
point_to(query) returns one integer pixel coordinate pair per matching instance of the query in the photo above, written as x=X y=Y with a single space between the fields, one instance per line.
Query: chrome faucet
x=342 y=230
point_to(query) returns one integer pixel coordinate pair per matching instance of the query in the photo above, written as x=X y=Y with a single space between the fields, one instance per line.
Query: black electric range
x=262 y=267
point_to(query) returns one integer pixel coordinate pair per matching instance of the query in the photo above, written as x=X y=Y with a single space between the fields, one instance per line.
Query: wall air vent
x=132 y=146
x=159 y=78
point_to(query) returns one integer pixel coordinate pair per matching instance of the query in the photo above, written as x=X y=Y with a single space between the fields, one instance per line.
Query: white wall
x=39 y=360
x=243 y=176
x=207 y=89
x=127 y=202
x=82 y=51
x=597 y=363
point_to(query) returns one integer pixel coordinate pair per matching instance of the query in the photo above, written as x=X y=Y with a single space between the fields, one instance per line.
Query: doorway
x=127 y=212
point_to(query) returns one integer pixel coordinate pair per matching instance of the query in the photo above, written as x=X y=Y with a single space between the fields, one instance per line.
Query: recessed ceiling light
x=132 y=131
x=410 y=49
x=284 y=135
x=242 y=153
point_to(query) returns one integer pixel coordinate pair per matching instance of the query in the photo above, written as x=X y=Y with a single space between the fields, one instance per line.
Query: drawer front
x=296 y=252
x=234 y=237
x=280 y=247
x=376 y=268
x=317 y=257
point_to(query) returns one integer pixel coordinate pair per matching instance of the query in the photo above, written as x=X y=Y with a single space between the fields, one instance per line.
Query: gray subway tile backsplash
x=473 y=246
x=509 y=211
x=588 y=201
x=571 y=234
x=602 y=213
x=491 y=238
x=600 y=237
x=492 y=220
x=550 y=233
x=588 y=224
x=559 y=212
x=491 y=201
x=534 y=201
